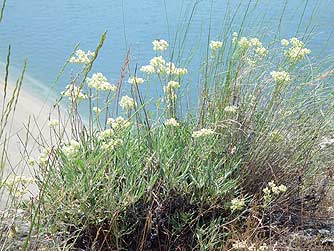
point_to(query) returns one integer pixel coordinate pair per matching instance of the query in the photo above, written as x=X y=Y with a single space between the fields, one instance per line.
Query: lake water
x=46 y=31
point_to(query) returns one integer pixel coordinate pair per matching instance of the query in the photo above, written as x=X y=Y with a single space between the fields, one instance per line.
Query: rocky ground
x=317 y=234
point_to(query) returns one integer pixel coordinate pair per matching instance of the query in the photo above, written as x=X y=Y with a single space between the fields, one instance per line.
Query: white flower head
x=231 y=109
x=297 y=51
x=171 y=69
x=280 y=77
x=237 y=204
x=171 y=87
x=244 y=43
x=264 y=247
x=158 y=64
x=105 y=134
x=53 y=123
x=160 y=45
x=111 y=144
x=127 y=103
x=181 y=71
x=44 y=156
x=100 y=83
x=148 y=69
x=255 y=42
x=172 y=122
x=204 y=132
x=215 y=45
x=82 y=57
x=73 y=93
x=282 y=188
x=118 y=123
x=96 y=109
x=284 y=42
x=71 y=150
x=240 y=245
x=261 y=51
x=135 y=80
x=31 y=162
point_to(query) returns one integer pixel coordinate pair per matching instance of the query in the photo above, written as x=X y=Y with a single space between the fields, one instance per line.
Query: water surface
x=46 y=31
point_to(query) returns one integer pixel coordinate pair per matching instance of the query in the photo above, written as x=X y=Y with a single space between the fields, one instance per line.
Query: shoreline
x=31 y=114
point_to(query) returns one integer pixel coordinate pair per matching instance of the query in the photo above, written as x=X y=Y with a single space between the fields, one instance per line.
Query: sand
x=33 y=113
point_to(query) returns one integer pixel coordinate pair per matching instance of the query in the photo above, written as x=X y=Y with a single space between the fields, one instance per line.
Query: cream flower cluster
x=108 y=137
x=148 y=69
x=285 y=42
x=297 y=50
x=244 y=246
x=111 y=144
x=158 y=65
x=245 y=43
x=202 y=133
x=160 y=45
x=81 y=57
x=237 y=204
x=127 y=103
x=231 y=109
x=119 y=123
x=272 y=189
x=170 y=88
x=172 y=122
x=105 y=134
x=261 y=51
x=215 y=45
x=31 y=162
x=100 y=83
x=18 y=186
x=96 y=109
x=73 y=93
x=258 y=47
x=44 y=157
x=280 y=77
x=135 y=80
x=71 y=150
x=53 y=123
x=172 y=70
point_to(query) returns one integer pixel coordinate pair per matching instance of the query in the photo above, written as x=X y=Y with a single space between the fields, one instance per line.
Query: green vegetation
x=145 y=174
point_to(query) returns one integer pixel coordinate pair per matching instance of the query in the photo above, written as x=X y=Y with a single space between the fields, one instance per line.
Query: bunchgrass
x=138 y=173
x=162 y=181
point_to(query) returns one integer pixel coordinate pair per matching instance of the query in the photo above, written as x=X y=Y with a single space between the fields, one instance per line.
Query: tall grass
x=129 y=178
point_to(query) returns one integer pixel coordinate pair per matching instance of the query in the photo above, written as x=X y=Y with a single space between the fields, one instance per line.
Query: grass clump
x=132 y=179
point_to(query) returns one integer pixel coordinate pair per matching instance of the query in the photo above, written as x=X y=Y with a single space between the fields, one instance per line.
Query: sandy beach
x=22 y=133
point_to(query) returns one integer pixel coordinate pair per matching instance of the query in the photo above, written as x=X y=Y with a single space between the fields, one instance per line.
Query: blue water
x=46 y=31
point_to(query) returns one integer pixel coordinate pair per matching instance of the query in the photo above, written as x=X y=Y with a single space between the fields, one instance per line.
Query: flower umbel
x=127 y=103
x=73 y=93
x=297 y=51
x=100 y=83
x=160 y=45
x=202 y=133
x=53 y=123
x=71 y=150
x=172 y=122
x=82 y=57
x=280 y=77
x=237 y=204
x=135 y=80
x=215 y=45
